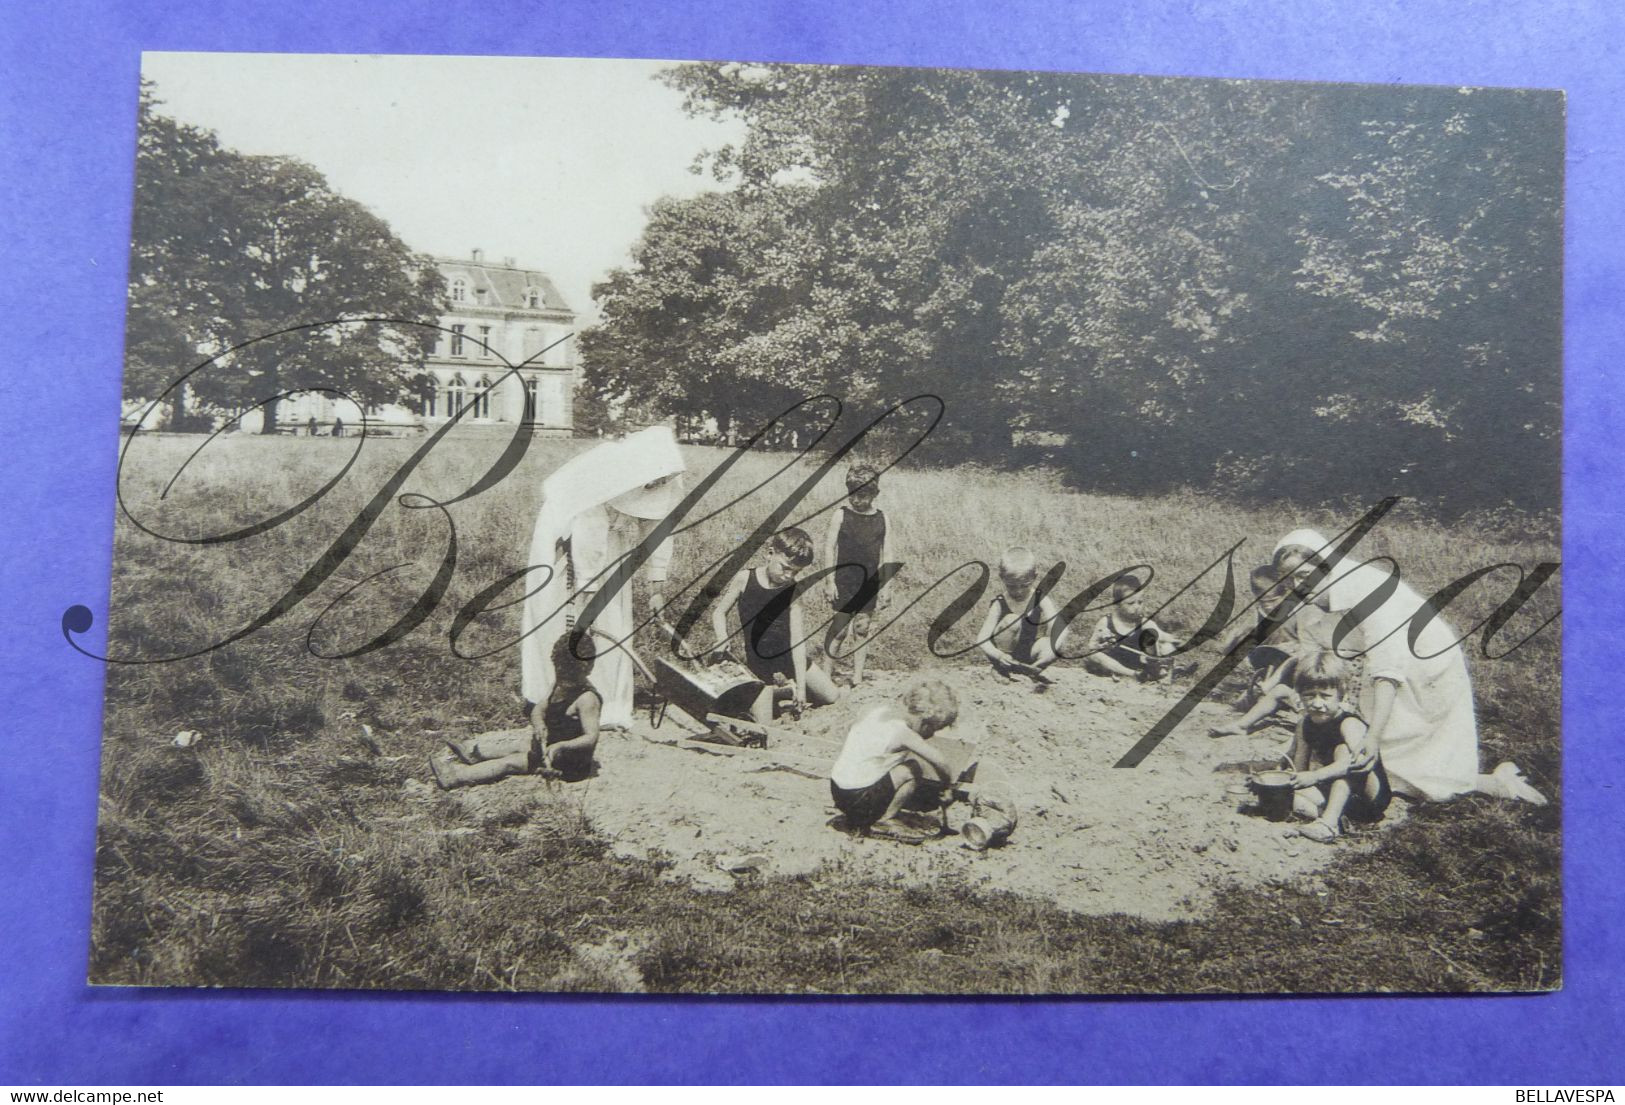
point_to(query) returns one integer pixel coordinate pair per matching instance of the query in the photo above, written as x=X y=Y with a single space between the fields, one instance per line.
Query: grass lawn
x=273 y=853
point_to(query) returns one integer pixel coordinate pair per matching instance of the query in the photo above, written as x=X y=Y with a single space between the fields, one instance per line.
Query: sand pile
x=1154 y=841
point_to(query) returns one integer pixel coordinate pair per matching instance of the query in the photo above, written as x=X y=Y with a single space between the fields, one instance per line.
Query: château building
x=498 y=316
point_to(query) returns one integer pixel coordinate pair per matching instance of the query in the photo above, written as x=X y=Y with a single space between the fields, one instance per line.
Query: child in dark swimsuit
x=1322 y=751
x=769 y=612
x=1016 y=634
x=1126 y=642
x=564 y=730
x=857 y=545
x=567 y=734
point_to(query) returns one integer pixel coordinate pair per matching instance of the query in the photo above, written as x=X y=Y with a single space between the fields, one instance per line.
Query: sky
x=552 y=161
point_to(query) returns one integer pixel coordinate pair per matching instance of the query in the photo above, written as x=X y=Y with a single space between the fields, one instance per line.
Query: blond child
x=888 y=754
x=1016 y=632
x=768 y=608
x=1323 y=751
x=1126 y=642
x=856 y=545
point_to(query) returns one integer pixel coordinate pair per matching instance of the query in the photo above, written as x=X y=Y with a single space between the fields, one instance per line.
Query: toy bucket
x=982 y=833
x=1274 y=790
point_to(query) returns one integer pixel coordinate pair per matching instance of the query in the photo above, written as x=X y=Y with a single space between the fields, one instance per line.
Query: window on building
x=455 y=392
x=485 y=342
x=457 y=339
x=531 y=403
x=429 y=404
x=482 y=399
x=533 y=298
x=479 y=295
x=459 y=289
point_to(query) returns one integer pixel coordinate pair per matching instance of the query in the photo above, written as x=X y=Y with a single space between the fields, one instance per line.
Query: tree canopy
x=1301 y=290
x=227 y=248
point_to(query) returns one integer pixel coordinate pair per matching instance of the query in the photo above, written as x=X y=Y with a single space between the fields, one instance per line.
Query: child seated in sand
x=1323 y=747
x=1306 y=630
x=1126 y=642
x=1016 y=632
x=769 y=611
x=1269 y=691
x=888 y=753
x=564 y=730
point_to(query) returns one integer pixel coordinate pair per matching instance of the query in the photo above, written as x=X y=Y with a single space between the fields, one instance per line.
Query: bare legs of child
x=1151 y=669
x=1101 y=663
x=1327 y=827
x=905 y=778
x=1270 y=701
x=483 y=760
x=848 y=637
x=821 y=691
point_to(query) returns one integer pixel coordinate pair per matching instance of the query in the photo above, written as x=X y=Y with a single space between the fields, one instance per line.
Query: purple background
x=66 y=147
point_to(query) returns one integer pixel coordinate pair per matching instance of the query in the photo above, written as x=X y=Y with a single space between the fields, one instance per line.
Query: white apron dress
x=1430 y=744
x=595 y=510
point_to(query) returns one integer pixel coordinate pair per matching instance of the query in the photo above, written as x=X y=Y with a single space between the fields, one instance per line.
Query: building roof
x=505 y=285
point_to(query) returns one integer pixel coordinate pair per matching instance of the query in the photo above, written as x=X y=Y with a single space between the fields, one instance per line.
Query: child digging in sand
x=888 y=753
x=564 y=730
x=1322 y=750
x=857 y=545
x=1016 y=632
x=1126 y=642
x=769 y=611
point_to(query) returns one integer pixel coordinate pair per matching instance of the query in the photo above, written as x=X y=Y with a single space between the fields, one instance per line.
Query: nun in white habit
x=596 y=508
x=1418 y=702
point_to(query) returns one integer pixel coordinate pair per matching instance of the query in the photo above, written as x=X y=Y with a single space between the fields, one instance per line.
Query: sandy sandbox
x=1154 y=841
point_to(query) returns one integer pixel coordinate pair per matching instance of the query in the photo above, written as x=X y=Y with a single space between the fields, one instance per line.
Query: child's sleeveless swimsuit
x=764 y=616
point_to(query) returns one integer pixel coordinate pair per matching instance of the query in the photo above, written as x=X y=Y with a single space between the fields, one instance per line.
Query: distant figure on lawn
x=1016 y=634
x=765 y=600
x=597 y=507
x=857 y=544
x=888 y=752
x=1126 y=642
x=564 y=732
x=1323 y=752
x=1419 y=700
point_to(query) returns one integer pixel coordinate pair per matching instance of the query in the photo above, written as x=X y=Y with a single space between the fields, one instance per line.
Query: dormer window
x=533 y=298
x=479 y=295
x=459 y=289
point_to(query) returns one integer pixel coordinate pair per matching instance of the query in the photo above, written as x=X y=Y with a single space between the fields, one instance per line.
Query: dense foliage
x=227 y=248
x=1309 y=290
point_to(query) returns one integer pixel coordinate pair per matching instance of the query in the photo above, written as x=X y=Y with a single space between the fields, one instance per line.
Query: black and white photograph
x=743 y=527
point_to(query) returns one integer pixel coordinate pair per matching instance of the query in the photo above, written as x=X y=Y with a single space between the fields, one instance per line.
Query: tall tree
x=1308 y=290
x=229 y=248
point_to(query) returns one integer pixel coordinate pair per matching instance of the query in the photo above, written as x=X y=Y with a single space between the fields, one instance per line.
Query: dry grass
x=283 y=851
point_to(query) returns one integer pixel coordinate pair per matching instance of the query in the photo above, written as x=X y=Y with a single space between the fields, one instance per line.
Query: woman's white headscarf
x=1346 y=582
x=611 y=475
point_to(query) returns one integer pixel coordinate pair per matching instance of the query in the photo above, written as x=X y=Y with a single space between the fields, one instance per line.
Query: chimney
x=479 y=255
x=511 y=262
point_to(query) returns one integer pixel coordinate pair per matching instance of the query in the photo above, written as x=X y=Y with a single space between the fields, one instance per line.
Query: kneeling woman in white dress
x=1417 y=700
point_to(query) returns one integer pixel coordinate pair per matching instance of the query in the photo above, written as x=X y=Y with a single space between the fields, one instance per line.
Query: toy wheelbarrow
x=718 y=697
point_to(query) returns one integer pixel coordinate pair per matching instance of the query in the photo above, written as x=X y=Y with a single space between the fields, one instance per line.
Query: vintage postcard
x=735 y=527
